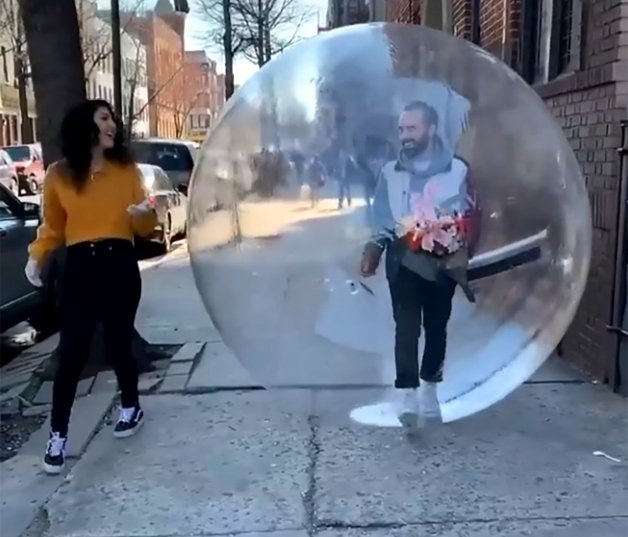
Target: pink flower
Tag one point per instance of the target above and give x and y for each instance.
(423, 210)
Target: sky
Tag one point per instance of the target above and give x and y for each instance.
(242, 68)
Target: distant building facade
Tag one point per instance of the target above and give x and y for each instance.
(198, 85)
(11, 117)
(161, 31)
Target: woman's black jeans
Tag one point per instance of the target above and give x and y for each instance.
(417, 301)
(101, 283)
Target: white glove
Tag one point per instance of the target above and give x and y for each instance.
(140, 209)
(33, 273)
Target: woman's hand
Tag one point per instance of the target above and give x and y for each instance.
(140, 209)
(33, 273)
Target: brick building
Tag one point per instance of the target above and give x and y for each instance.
(346, 12)
(575, 55)
(200, 81)
(161, 31)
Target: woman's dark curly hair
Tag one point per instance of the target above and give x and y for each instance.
(79, 135)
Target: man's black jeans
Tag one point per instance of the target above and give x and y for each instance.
(417, 301)
(101, 283)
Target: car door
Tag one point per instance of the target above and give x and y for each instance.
(16, 233)
(167, 191)
(5, 170)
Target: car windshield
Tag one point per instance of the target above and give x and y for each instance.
(170, 157)
(18, 153)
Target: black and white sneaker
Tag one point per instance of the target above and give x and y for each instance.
(54, 459)
(129, 422)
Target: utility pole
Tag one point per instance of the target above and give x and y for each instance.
(116, 52)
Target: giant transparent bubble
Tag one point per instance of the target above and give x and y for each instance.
(276, 248)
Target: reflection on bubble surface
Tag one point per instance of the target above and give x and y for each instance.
(284, 199)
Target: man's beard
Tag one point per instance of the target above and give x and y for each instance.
(414, 148)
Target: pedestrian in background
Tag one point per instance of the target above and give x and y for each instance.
(94, 203)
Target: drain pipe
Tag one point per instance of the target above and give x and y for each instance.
(619, 369)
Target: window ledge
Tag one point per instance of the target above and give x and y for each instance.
(575, 81)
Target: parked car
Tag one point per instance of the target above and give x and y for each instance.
(176, 157)
(8, 173)
(19, 300)
(170, 204)
(29, 165)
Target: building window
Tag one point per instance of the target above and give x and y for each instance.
(551, 35)
(5, 65)
(565, 25)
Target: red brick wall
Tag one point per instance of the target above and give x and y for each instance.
(405, 11)
(461, 18)
(168, 78)
(494, 16)
(588, 104)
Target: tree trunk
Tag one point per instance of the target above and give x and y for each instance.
(227, 42)
(21, 74)
(52, 32)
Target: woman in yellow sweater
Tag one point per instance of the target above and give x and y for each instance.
(94, 204)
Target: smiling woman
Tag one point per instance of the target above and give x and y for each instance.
(94, 203)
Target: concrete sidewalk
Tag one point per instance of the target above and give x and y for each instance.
(214, 459)
(251, 463)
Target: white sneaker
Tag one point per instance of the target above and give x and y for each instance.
(54, 459)
(408, 407)
(429, 400)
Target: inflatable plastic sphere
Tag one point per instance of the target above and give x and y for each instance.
(384, 206)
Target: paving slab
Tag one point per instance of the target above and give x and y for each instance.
(613, 527)
(211, 464)
(217, 367)
(556, 369)
(87, 415)
(13, 392)
(44, 395)
(148, 383)
(188, 352)
(26, 365)
(171, 311)
(8, 381)
(173, 383)
(24, 490)
(105, 382)
(531, 456)
(180, 368)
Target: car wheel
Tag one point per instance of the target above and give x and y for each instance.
(14, 186)
(166, 235)
(32, 186)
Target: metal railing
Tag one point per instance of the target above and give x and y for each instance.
(619, 323)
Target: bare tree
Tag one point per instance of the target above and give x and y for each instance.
(95, 31)
(220, 34)
(12, 27)
(134, 77)
(268, 27)
(182, 109)
(254, 29)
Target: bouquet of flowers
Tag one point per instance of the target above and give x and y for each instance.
(429, 230)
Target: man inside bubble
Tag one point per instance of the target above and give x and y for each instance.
(424, 215)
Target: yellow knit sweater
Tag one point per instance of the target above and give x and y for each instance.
(98, 212)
